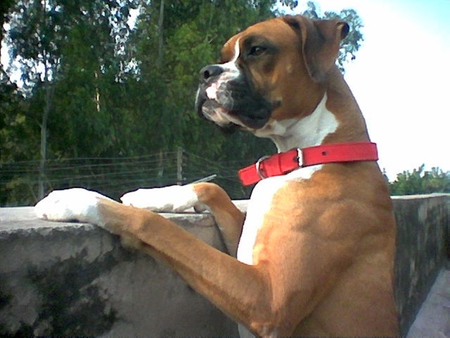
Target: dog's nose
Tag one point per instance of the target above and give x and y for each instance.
(210, 71)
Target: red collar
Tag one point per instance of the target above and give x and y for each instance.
(283, 163)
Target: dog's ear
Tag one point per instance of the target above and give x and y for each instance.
(320, 41)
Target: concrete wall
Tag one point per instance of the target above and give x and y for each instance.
(69, 279)
(72, 279)
(423, 238)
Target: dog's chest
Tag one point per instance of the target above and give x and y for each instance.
(260, 204)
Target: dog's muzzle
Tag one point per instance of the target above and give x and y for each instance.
(228, 98)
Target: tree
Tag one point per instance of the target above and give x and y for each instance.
(34, 41)
(73, 46)
(420, 181)
(5, 6)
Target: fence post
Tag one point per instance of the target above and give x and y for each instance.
(180, 151)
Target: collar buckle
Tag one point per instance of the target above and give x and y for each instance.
(258, 166)
(299, 158)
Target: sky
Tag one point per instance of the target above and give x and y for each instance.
(401, 79)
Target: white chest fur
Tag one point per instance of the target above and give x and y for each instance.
(287, 134)
(259, 205)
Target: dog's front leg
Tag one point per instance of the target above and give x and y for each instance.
(228, 217)
(240, 290)
(179, 198)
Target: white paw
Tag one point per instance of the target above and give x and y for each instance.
(70, 205)
(174, 198)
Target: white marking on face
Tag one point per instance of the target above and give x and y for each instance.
(211, 91)
(306, 132)
(259, 204)
(232, 63)
(219, 92)
(230, 72)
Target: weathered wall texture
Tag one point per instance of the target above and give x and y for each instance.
(423, 235)
(64, 279)
(61, 279)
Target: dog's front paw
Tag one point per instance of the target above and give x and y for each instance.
(173, 198)
(69, 205)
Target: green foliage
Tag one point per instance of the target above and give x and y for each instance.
(12, 119)
(421, 181)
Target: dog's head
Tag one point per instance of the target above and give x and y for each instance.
(273, 70)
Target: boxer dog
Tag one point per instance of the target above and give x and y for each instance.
(315, 250)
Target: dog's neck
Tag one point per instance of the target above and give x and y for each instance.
(306, 132)
(336, 119)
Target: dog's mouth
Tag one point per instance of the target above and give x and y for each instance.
(232, 105)
(214, 103)
(214, 111)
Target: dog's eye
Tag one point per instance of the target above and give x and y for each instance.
(257, 51)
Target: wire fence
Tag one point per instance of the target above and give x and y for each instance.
(19, 181)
